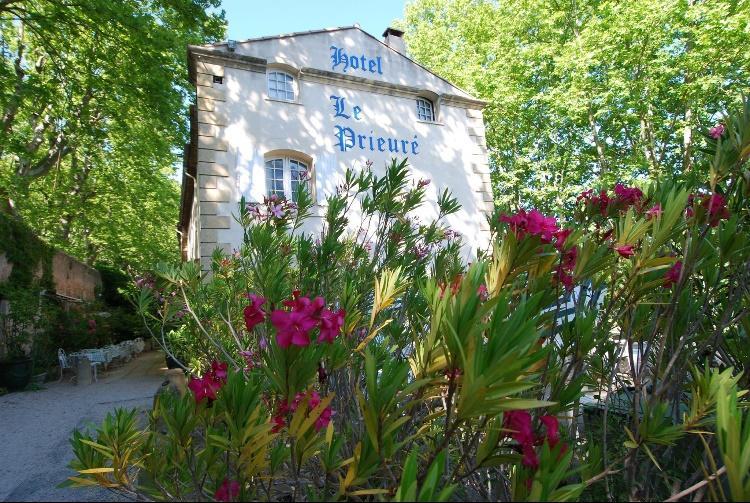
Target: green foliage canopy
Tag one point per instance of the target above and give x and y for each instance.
(588, 88)
(93, 97)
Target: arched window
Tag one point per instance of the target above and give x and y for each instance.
(280, 86)
(284, 176)
(425, 110)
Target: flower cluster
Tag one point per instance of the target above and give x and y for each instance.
(624, 198)
(522, 431)
(534, 223)
(253, 312)
(207, 386)
(716, 207)
(285, 408)
(672, 276)
(293, 326)
(717, 131)
(272, 207)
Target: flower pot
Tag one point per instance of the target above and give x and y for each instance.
(16, 374)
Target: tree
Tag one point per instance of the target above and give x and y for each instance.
(93, 96)
(587, 89)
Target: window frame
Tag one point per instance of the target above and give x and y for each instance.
(275, 72)
(432, 109)
(287, 180)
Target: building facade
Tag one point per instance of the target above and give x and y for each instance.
(273, 110)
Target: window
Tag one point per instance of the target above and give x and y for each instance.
(218, 79)
(284, 175)
(425, 110)
(280, 86)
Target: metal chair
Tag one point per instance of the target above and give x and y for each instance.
(65, 362)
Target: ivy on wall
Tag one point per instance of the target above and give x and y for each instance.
(27, 253)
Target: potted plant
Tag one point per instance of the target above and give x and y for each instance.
(16, 325)
(16, 365)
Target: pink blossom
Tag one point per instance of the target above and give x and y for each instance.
(292, 327)
(654, 212)
(423, 183)
(561, 236)
(218, 372)
(278, 423)
(672, 276)
(533, 222)
(628, 195)
(254, 315)
(330, 324)
(520, 422)
(717, 131)
(203, 388)
(552, 427)
(529, 459)
(276, 210)
(324, 419)
(716, 204)
(625, 250)
(227, 491)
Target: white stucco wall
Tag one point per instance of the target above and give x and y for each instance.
(238, 124)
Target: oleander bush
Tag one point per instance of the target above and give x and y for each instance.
(597, 358)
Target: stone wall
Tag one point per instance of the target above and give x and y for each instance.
(73, 278)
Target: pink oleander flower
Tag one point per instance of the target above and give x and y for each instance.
(625, 251)
(716, 205)
(292, 327)
(218, 372)
(563, 277)
(533, 222)
(717, 131)
(672, 276)
(227, 491)
(560, 237)
(423, 183)
(278, 423)
(628, 195)
(324, 419)
(553, 432)
(203, 388)
(529, 459)
(304, 305)
(276, 210)
(254, 315)
(654, 212)
(519, 421)
(330, 324)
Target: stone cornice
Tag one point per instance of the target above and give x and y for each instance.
(228, 59)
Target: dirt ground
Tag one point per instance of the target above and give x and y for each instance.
(35, 427)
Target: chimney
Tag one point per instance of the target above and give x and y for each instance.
(394, 39)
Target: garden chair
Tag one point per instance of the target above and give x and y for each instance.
(65, 362)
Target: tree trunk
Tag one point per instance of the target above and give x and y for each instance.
(687, 142)
(597, 141)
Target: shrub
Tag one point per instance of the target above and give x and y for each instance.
(598, 359)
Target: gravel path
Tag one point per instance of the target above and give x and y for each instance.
(35, 427)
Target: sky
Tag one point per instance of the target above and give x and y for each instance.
(256, 18)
